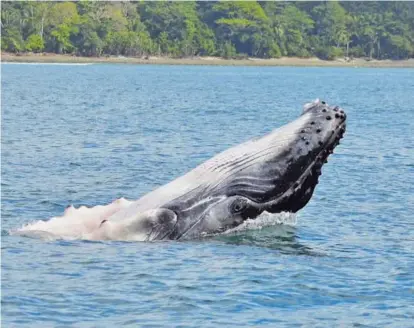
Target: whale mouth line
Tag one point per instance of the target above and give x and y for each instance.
(184, 233)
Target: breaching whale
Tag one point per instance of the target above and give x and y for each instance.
(275, 173)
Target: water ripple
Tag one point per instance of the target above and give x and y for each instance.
(67, 139)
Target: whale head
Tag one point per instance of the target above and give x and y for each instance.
(275, 173)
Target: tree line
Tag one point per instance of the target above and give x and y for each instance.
(374, 29)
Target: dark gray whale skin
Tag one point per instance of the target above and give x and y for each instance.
(277, 172)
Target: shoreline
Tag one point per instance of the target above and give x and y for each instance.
(210, 61)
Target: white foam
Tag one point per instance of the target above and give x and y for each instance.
(76, 223)
(266, 220)
(61, 64)
(84, 224)
(310, 104)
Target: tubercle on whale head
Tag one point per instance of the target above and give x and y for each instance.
(325, 126)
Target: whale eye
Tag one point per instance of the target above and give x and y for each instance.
(238, 205)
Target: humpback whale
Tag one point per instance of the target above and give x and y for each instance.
(275, 173)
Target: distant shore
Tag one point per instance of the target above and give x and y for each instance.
(214, 61)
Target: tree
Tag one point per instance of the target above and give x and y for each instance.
(295, 24)
(12, 38)
(64, 19)
(34, 43)
(177, 28)
(87, 40)
(243, 24)
(374, 29)
(330, 18)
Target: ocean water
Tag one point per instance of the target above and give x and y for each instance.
(89, 134)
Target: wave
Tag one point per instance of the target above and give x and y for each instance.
(60, 64)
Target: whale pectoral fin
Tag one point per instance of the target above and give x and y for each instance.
(158, 224)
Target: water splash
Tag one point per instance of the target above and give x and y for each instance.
(84, 222)
(75, 223)
(266, 220)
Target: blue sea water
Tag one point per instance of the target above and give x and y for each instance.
(86, 135)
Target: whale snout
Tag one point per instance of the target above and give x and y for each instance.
(324, 127)
(320, 130)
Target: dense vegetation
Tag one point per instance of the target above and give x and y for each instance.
(228, 29)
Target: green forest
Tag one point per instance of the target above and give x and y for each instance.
(373, 30)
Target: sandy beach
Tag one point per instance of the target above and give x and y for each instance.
(214, 61)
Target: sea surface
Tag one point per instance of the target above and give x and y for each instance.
(88, 134)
